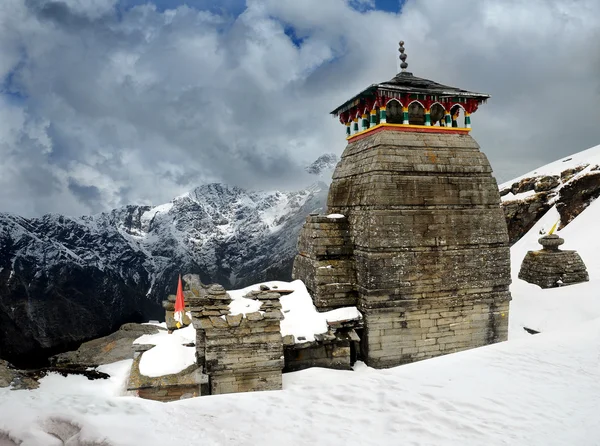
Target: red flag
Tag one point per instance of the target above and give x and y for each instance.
(179, 305)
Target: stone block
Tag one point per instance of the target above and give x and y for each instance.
(234, 321)
(254, 316)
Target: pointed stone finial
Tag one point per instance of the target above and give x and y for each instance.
(403, 56)
(551, 242)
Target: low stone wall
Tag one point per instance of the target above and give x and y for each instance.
(189, 383)
(239, 353)
(338, 348)
(336, 355)
(324, 262)
(170, 393)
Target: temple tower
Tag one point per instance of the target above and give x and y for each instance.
(419, 241)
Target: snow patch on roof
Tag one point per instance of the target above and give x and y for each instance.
(185, 335)
(166, 359)
(300, 317)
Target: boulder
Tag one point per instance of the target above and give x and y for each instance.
(114, 347)
(17, 379)
(524, 185)
(546, 183)
(567, 174)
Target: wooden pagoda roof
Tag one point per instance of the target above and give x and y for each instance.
(406, 83)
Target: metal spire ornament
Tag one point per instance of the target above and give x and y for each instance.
(403, 56)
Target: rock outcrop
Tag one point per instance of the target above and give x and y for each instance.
(576, 195)
(521, 215)
(525, 201)
(117, 346)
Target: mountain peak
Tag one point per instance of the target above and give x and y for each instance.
(322, 164)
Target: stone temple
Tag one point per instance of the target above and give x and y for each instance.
(552, 267)
(415, 235)
(410, 262)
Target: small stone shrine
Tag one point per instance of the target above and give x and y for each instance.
(551, 267)
(416, 237)
(245, 351)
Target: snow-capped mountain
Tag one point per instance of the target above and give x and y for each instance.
(323, 164)
(64, 280)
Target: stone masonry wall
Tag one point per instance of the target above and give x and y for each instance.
(325, 263)
(429, 243)
(424, 330)
(549, 269)
(239, 353)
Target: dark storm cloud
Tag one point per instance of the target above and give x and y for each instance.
(90, 195)
(121, 104)
(59, 13)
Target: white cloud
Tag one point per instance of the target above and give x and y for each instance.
(144, 106)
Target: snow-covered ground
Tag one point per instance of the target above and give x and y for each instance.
(544, 390)
(531, 390)
(590, 156)
(557, 308)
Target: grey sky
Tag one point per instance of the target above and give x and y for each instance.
(102, 106)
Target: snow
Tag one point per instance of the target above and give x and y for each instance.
(167, 359)
(183, 336)
(557, 308)
(543, 390)
(162, 209)
(334, 216)
(156, 323)
(301, 318)
(170, 355)
(342, 314)
(590, 156)
(243, 306)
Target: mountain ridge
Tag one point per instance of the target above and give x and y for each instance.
(64, 280)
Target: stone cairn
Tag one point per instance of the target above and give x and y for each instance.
(551, 267)
(239, 353)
